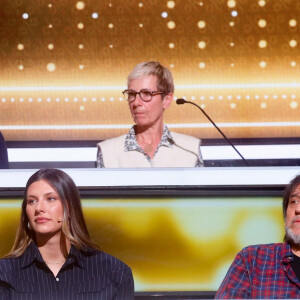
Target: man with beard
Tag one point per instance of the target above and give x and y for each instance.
(272, 270)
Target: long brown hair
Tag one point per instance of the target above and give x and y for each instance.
(73, 227)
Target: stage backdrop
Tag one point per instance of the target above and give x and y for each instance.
(171, 243)
(64, 65)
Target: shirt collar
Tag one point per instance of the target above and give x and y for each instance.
(286, 253)
(30, 255)
(33, 254)
(131, 143)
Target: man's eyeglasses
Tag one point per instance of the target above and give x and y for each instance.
(145, 95)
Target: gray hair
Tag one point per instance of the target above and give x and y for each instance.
(165, 82)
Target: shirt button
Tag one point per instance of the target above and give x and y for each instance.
(57, 279)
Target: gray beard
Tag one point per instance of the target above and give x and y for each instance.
(291, 237)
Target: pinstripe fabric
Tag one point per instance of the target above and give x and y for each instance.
(85, 275)
(261, 272)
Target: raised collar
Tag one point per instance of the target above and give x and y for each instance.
(286, 253)
(131, 143)
(32, 254)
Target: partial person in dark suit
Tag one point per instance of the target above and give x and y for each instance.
(3, 153)
(53, 256)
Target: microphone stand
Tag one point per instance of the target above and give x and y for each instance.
(182, 101)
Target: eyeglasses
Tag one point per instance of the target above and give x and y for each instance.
(145, 95)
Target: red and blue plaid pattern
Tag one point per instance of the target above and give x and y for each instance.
(261, 272)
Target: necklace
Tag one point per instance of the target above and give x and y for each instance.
(54, 263)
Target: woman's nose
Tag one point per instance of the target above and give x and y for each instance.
(40, 206)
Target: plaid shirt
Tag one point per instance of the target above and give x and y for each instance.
(261, 271)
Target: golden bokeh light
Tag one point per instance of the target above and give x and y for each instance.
(80, 5)
(171, 24)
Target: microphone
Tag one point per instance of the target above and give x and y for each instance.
(182, 101)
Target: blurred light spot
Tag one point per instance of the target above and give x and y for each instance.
(75, 99)
(231, 3)
(238, 97)
(80, 46)
(201, 24)
(293, 96)
(141, 4)
(171, 45)
(293, 43)
(292, 23)
(164, 14)
(293, 63)
(202, 106)
(201, 3)
(261, 3)
(262, 23)
(201, 44)
(50, 46)
(232, 65)
(294, 105)
(231, 44)
(171, 66)
(171, 4)
(21, 67)
(22, 99)
(49, 5)
(51, 67)
(263, 105)
(266, 97)
(232, 105)
(202, 65)
(234, 13)
(81, 67)
(141, 25)
(262, 44)
(275, 96)
(220, 97)
(95, 15)
(171, 25)
(20, 47)
(25, 16)
(231, 23)
(84, 99)
(110, 25)
(80, 26)
(202, 98)
(262, 64)
(111, 46)
(30, 99)
(80, 5)
(102, 99)
(57, 99)
(283, 96)
(81, 107)
(50, 26)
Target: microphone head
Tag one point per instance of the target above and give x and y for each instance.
(180, 101)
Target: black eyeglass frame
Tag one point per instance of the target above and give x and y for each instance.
(153, 93)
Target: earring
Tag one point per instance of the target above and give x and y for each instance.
(28, 225)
